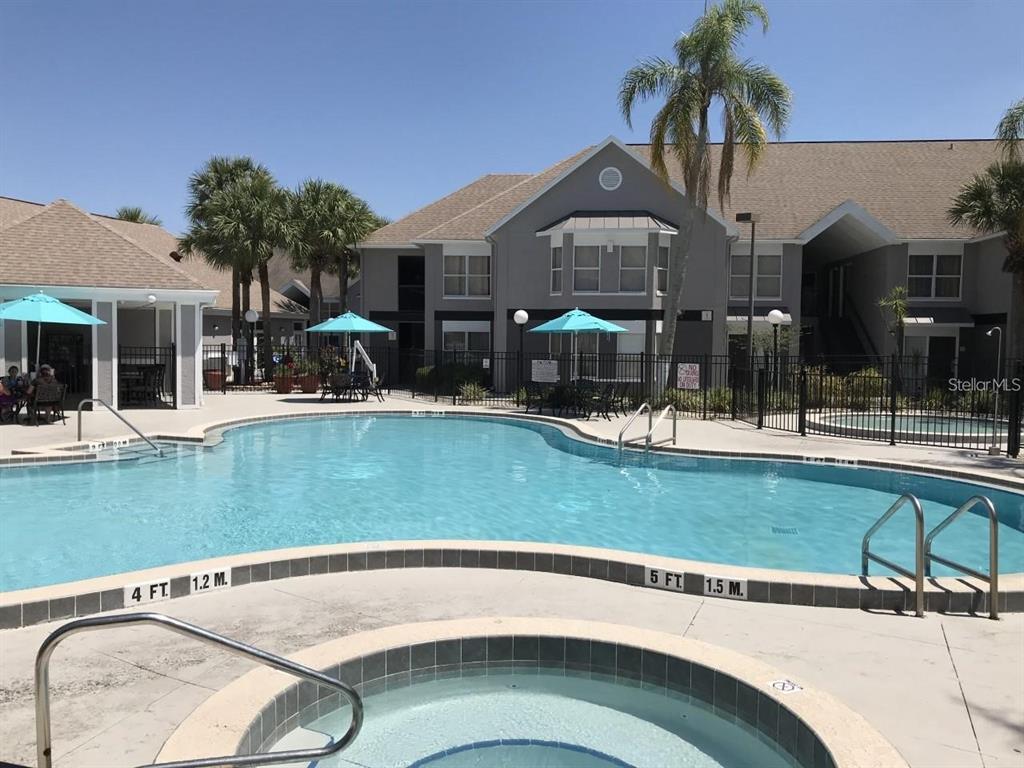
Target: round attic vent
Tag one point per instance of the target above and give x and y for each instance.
(610, 179)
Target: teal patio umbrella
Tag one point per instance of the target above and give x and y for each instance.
(348, 323)
(577, 321)
(40, 308)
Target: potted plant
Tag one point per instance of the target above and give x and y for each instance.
(214, 379)
(284, 376)
(307, 376)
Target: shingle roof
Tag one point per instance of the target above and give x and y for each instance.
(906, 185)
(417, 223)
(155, 240)
(60, 244)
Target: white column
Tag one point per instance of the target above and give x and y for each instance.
(176, 338)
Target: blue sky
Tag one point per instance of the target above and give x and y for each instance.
(115, 103)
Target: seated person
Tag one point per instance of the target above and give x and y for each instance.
(12, 384)
(45, 377)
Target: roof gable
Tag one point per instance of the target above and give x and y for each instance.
(60, 244)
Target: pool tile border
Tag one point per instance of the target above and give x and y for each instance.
(870, 593)
(811, 726)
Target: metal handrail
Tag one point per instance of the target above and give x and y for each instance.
(43, 736)
(127, 423)
(992, 577)
(650, 433)
(634, 417)
(918, 573)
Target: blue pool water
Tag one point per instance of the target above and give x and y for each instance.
(537, 719)
(364, 478)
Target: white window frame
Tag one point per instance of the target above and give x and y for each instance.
(560, 269)
(575, 248)
(465, 275)
(466, 327)
(755, 262)
(933, 276)
(658, 269)
(643, 269)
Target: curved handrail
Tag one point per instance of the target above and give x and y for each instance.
(49, 645)
(918, 573)
(650, 433)
(127, 423)
(634, 417)
(992, 577)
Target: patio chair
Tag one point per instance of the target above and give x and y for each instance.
(621, 402)
(361, 384)
(48, 397)
(536, 396)
(339, 384)
(601, 402)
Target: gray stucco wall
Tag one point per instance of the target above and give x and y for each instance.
(187, 350)
(105, 384)
(522, 260)
(869, 278)
(986, 287)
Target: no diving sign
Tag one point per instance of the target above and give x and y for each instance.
(785, 686)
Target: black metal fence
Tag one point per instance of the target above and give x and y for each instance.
(892, 400)
(146, 377)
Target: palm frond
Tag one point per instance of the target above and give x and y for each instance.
(1010, 132)
(136, 214)
(651, 77)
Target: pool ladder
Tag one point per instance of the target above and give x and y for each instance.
(652, 423)
(923, 555)
(42, 689)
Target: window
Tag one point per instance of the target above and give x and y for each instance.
(767, 278)
(466, 341)
(556, 269)
(632, 269)
(934, 276)
(662, 269)
(467, 276)
(586, 269)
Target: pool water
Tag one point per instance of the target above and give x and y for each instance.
(346, 479)
(531, 720)
(942, 425)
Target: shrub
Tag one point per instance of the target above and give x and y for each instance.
(690, 400)
(472, 392)
(720, 400)
(446, 379)
(865, 389)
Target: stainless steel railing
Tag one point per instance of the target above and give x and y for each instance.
(645, 407)
(918, 573)
(122, 418)
(43, 735)
(650, 433)
(992, 577)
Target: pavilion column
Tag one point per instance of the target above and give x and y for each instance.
(104, 353)
(187, 352)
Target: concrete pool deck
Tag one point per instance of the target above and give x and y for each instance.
(946, 691)
(695, 434)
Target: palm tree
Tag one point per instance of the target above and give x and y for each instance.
(360, 222)
(218, 173)
(319, 212)
(706, 71)
(993, 201)
(136, 214)
(1010, 132)
(249, 218)
(895, 303)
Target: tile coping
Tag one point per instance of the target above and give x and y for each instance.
(37, 605)
(886, 592)
(221, 723)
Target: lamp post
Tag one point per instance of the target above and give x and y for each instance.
(521, 317)
(775, 317)
(249, 365)
(751, 219)
(993, 450)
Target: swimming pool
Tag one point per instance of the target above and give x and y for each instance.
(514, 718)
(977, 429)
(360, 478)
